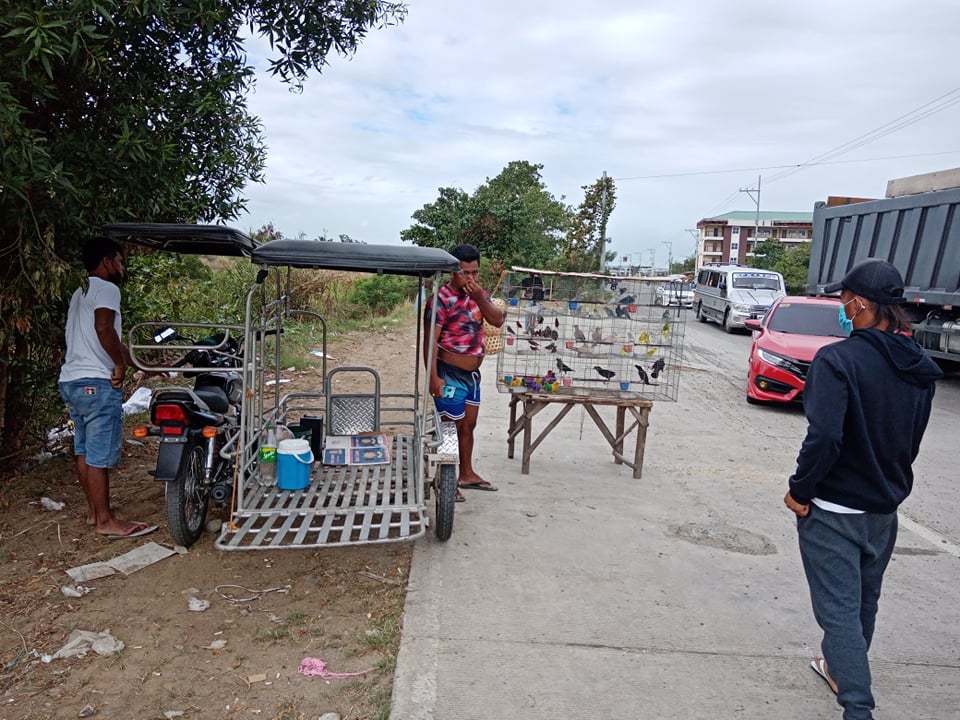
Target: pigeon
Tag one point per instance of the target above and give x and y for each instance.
(552, 347)
(578, 334)
(563, 367)
(657, 368)
(643, 375)
(604, 373)
(596, 335)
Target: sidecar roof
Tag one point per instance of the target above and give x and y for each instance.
(355, 257)
(188, 239)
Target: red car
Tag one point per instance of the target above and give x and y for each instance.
(784, 343)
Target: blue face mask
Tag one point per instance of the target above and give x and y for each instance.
(846, 324)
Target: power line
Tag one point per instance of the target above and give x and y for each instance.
(780, 167)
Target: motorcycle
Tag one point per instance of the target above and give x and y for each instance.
(199, 431)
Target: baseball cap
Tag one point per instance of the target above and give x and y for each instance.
(874, 279)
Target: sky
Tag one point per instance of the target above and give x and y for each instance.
(683, 103)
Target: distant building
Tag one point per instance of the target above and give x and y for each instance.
(731, 237)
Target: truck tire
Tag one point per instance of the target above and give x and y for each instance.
(727, 327)
(700, 316)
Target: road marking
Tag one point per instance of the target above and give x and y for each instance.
(939, 541)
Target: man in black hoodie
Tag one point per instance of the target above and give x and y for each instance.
(867, 400)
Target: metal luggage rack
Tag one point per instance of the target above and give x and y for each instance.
(343, 505)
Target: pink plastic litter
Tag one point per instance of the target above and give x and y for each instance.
(315, 667)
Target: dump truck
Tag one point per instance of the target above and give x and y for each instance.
(916, 228)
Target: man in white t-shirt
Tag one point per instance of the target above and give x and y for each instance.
(91, 383)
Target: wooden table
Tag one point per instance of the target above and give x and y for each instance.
(532, 403)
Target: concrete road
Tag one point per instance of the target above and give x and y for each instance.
(577, 591)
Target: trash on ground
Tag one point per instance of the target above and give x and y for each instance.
(127, 563)
(87, 711)
(52, 505)
(81, 642)
(216, 645)
(259, 677)
(274, 382)
(319, 353)
(196, 604)
(171, 714)
(315, 667)
(138, 402)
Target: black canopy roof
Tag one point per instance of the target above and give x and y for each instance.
(357, 257)
(189, 239)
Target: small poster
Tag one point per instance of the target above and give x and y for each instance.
(356, 450)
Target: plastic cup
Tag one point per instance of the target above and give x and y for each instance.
(624, 385)
(567, 382)
(569, 345)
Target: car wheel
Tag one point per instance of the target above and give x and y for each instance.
(727, 327)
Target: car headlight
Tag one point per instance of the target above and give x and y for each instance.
(780, 361)
(741, 307)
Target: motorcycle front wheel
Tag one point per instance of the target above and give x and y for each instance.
(187, 498)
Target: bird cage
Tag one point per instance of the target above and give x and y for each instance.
(591, 335)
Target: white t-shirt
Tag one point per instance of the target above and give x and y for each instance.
(86, 357)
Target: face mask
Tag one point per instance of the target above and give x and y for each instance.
(846, 324)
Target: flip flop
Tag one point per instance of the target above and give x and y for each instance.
(485, 486)
(136, 530)
(820, 668)
(459, 497)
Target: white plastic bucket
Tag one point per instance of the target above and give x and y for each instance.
(293, 464)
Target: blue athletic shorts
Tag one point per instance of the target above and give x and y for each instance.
(465, 390)
(96, 409)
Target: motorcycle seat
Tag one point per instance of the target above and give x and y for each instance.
(214, 397)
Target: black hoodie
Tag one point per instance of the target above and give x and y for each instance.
(867, 400)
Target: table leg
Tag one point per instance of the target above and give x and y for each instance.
(643, 422)
(618, 447)
(511, 429)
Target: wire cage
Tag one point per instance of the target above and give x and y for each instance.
(591, 335)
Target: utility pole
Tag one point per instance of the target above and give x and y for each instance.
(697, 257)
(603, 221)
(669, 244)
(756, 199)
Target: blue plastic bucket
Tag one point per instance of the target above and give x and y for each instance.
(293, 464)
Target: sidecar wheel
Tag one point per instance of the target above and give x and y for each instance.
(446, 493)
(187, 498)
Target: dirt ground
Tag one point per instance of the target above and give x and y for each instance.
(268, 610)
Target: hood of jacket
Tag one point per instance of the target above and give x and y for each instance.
(905, 356)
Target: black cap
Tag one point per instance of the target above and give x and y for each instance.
(874, 279)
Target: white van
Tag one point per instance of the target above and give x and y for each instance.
(730, 294)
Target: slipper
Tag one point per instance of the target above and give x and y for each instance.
(820, 668)
(485, 486)
(135, 530)
(459, 497)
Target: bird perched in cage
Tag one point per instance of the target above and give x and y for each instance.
(651, 351)
(578, 334)
(644, 338)
(622, 312)
(643, 374)
(552, 347)
(609, 312)
(666, 315)
(533, 345)
(519, 324)
(596, 334)
(554, 334)
(658, 366)
(604, 373)
(539, 319)
(563, 367)
(666, 328)
(556, 322)
(511, 330)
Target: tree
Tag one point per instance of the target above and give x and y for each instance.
(766, 254)
(795, 268)
(132, 110)
(585, 248)
(510, 218)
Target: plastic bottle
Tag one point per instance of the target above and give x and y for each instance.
(268, 457)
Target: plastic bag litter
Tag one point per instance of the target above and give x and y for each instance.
(52, 505)
(138, 402)
(81, 642)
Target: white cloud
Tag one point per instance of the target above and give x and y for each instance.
(632, 88)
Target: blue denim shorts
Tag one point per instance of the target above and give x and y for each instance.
(96, 409)
(461, 388)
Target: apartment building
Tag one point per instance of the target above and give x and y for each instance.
(730, 238)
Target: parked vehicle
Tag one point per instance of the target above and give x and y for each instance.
(198, 430)
(675, 292)
(919, 234)
(784, 344)
(730, 294)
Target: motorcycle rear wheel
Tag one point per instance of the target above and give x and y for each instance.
(187, 498)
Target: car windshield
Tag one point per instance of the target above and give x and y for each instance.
(752, 281)
(805, 319)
